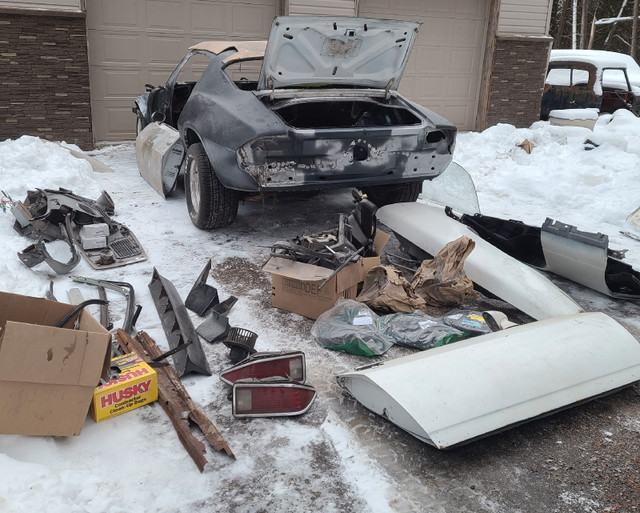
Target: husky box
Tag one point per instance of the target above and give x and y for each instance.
(134, 386)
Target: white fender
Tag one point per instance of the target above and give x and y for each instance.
(469, 389)
(429, 228)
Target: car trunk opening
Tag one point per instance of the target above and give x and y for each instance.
(343, 114)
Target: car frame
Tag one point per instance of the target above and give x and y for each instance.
(324, 113)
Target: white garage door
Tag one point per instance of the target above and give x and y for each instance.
(135, 42)
(444, 70)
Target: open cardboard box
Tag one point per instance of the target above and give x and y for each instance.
(48, 374)
(296, 285)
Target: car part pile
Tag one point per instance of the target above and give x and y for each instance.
(47, 215)
(335, 249)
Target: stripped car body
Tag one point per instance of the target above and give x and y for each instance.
(323, 113)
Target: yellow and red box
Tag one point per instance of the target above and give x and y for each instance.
(135, 386)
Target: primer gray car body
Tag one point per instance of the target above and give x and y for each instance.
(323, 113)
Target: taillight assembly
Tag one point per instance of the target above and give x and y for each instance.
(270, 385)
(267, 365)
(273, 397)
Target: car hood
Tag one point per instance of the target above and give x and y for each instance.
(336, 52)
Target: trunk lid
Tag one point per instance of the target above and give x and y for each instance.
(337, 52)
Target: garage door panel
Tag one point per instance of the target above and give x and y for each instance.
(463, 60)
(209, 18)
(165, 15)
(120, 48)
(134, 42)
(116, 117)
(116, 83)
(443, 72)
(251, 21)
(451, 33)
(429, 59)
(115, 14)
(162, 50)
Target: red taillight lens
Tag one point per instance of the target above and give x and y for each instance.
(271, 399)
(267, 365)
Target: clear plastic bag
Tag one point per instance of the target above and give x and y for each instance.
(418, 330)
(352, 327)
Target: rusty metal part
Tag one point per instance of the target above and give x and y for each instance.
(176, 401)
(178, 327)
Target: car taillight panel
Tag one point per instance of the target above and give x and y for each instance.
(255, 398)
(290, 366)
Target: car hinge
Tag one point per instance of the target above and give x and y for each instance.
(387, 90)
(270, 86)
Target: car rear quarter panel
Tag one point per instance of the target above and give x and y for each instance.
(224, 118)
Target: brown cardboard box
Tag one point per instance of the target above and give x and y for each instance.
(47, 374)
(295, 285)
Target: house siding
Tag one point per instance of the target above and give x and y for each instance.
(517, 79)
(327, 7)
(44, 86)
(57, 5)
(524, 17)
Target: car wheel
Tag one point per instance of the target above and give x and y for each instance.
(210, 204)
(386, 194)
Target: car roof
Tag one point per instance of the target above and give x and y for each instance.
(244, 50)
(599, 58)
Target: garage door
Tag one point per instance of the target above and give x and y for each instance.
(135, 42)
(445, 66)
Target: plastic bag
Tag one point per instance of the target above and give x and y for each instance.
(467, 320)
(352, 327)
(418, 330)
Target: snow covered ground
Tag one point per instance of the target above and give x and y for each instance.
(321, 461)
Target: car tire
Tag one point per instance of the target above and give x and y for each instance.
(140, 123)
(210, 204)
(386, 194)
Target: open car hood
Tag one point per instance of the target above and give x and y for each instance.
(336, 51)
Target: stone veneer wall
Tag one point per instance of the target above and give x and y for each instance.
(44, 76)
(517, 79)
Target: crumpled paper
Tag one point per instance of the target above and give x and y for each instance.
(440, 281)
(386, 290)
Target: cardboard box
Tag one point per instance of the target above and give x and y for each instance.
(295, 285)
(47, 374)
(135, 386)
